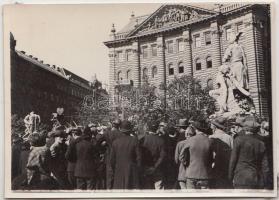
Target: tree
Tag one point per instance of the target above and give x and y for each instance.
(187, 99)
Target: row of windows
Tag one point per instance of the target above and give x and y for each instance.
(124, 56)
(207, 39)
(128, 75)
(198, 63)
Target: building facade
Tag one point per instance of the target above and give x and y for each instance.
(39, 87)
(182, 39)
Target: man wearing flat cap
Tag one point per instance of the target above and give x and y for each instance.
(125, 159)
(200, 150)
(222, 146)
(248, 164)
(106, 139)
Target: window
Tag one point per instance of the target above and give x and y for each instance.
(228, 34)
(145, 73)
(180, 45)
(119, 76)
(170, 46)
(171, 69)
(129, 55)
(239, 27)
(208, 62)
(197, 41)
(119, 56)
(198, 64)
(128, 75)
(144, 52)
(210, 84)
(181, 68)
(207, 38)
(154, 50)
(154, 71)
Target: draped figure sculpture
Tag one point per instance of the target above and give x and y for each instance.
(232, 77)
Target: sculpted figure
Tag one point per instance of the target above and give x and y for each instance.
(31, 122)
(238, 64)
(221, 94)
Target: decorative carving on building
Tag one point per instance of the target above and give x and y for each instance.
(170, 16)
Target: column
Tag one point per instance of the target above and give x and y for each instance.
(215, 45)
(162, 76)
(254, 60)
(187, 59)
(136, 64)
(112, 73)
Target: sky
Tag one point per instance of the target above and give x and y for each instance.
(71, 36)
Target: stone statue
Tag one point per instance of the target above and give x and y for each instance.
(31, 122)
(232, 79)
(238, 64)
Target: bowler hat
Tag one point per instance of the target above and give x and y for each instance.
(219, 123)
(182, 123)
(126, 126)
(152, 126)
(200, 125)
(238, 121)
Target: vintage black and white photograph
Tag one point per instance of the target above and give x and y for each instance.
(167, 99)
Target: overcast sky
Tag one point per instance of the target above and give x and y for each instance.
(71, 36)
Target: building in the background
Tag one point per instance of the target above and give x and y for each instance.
(42, 88)
(183, 39)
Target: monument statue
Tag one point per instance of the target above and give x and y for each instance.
(232, 80)
(31, 122)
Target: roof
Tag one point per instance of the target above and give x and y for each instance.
(59, 71)
(134, 21)
(137, 23)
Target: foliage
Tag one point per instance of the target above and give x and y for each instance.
(187, 99)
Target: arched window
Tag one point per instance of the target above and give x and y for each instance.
(210, 84)
(119, 76)
(145, 73)
(171, 69)
(209, 62)
(198, 64)
(154, 71)
(180, 68)
(128, 75)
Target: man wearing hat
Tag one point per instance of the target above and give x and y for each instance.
(198, 173)
(125, 159)
(154, 155)
(181, 126)
(58, 160)
(74, 134)
(248, 164)
(237, 129)
(222, 146)
(105, 140)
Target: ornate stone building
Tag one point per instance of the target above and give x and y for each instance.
(42, 88)
(182, 39)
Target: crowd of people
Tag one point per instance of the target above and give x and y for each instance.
(194, 154)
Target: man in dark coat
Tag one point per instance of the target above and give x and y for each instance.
(154, 154)
(248, 165)
(58, 160)
(222, 146)
(125, 159)
(198, 172)
(74, 134)
(85, 154)
(106, 139)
